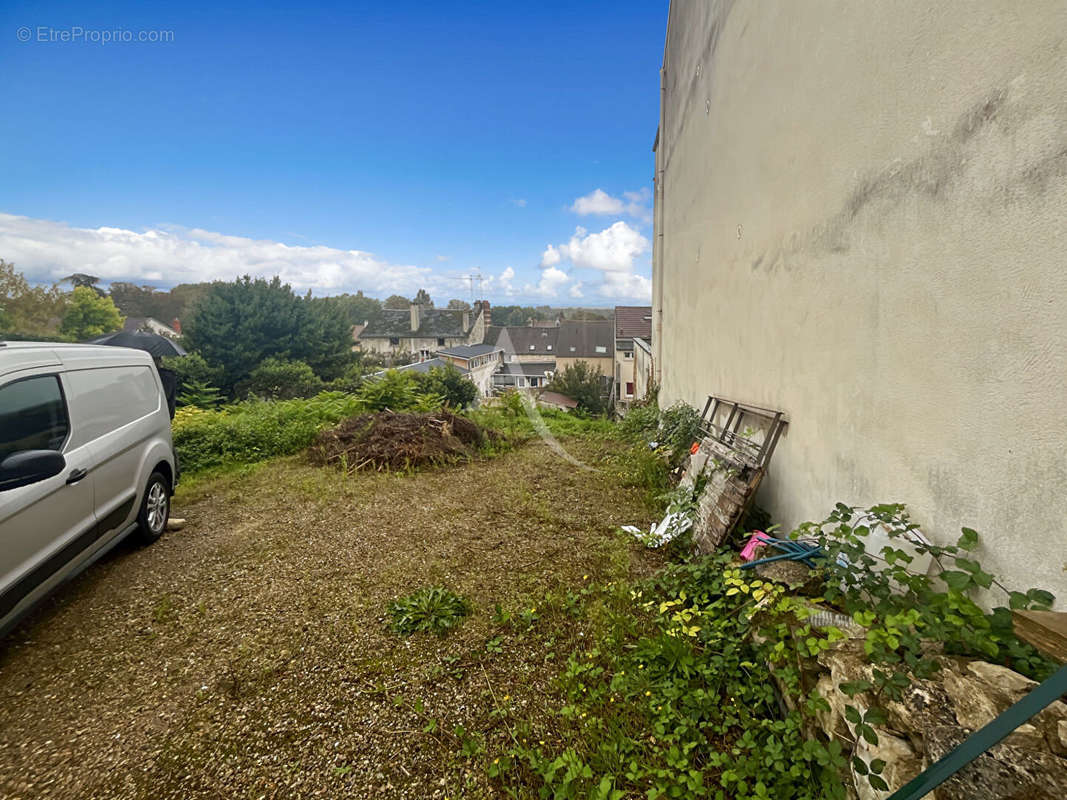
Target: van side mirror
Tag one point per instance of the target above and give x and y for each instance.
(29, 466)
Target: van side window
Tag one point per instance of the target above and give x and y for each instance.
(33, 416)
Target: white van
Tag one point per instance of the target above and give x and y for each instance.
(85, 459)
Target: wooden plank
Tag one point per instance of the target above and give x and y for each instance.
(1045, 630)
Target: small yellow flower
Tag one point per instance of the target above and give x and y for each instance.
(648, 694)
(585, 577)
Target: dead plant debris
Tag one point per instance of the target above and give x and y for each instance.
(394, 441)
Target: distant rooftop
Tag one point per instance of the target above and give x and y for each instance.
(469, 350)
(633, 321)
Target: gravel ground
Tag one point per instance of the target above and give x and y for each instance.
(247, 655)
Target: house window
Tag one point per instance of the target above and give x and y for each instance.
(424, 355)
(601, 348)
(549, 347)
(629, 389)
(394, 340)
(440, 341)
(533, 347)
(573, 348)
(533, 382)
(628, 355)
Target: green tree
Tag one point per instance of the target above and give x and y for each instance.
(89, 315)
(240, 324)
(459, 305)
(422, 298)
(193, 367)
(29, 312)
(451, 384)
(357, 308)
(396, 301)
(278, 379)
(81, 280)
(582, 383)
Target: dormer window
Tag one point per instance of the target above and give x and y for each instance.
(601, 349)
(549, 347)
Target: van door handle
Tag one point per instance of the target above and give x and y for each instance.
(77, 475)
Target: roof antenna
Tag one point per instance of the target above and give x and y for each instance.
(475, 276)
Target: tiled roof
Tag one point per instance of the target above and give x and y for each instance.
(633, 321)
(581, 339)
(439, 322)
(469, 350)
(536, 368)
(425, 366)
(521, 339)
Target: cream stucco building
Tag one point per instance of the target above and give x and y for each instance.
(861, 219)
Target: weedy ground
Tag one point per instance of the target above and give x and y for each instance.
(250, 655)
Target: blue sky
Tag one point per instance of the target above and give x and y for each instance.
(380, 146)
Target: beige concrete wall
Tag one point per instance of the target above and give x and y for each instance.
(863, 210)
(642, 369)
(605, 366)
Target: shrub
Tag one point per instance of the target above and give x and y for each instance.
(679, 427)
(582, 383)
(198, 393)
(451, 384)
(194, 374)
(255, 429)
(280, 379)
(430, 610)
(393, 390)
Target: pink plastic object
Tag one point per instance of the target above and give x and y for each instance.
(758, 541)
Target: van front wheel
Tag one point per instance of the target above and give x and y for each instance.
(155, 509)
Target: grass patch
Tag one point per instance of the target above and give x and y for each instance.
(430, 610)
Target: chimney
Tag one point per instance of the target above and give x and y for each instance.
(416, 314)
(176, 325)
(483, 305)
(467, 319)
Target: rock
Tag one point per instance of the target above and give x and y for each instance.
(175, 524)
(1052, 721)
(1005, 772)
(832, 722)
(1007, 680)
(976, 703)
(902, 764)
(922, 705)
(1027, 736)
(796, 577)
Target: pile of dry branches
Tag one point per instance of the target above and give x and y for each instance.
(391, 441)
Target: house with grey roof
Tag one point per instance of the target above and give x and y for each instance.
(522, 343)
(421, 330)
(478, 361)
(633, 324)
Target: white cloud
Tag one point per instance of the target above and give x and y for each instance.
(520, 202)
(550, 257)
(552, 280)
(612, 249)
(597, 202)
(45, 251)
(626, 286)
(502, 282)
(600, 203)
(613, 252)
